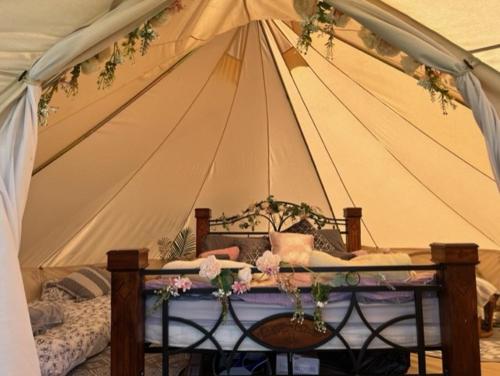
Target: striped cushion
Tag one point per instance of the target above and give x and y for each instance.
(86, 283)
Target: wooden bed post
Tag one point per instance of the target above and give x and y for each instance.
(458, 307)
(353, 227)
(202, 227)
(127, 311)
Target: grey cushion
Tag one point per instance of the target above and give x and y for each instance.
(251, 248)
(86, 283)
(45, 315)
(329, 241)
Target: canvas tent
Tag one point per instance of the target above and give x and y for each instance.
(224, 111)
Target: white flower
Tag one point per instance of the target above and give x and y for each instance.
(409, 64)
(90, 66)
(321, 304)
(264, 205)
(245, 275)
(268, 263)
(209, 268)
(281, 208)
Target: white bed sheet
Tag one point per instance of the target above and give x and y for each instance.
(205, 313)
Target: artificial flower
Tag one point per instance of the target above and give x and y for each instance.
(210, 268)
(268, 263)
(245, 275)
(239, 287)
(182, 283)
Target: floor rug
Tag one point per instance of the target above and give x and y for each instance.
(99, 365)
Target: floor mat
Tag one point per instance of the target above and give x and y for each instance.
(99, 365)
(490, 348)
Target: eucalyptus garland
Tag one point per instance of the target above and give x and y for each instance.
(433, 83)
(323, 18)
(138, 40)
(275, 212)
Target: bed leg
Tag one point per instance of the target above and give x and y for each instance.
(127, 311)
(353, 227)
(458, 311)
(202, 227)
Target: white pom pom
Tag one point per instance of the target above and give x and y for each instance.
(383, 48)
(341, 20)
(409, 64)
(369, 38)
(305, 8)
(90, 66)
(104, 55)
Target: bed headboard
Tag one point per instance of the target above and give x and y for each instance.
(349, 226)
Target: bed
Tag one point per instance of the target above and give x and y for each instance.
(439, 314)
(85, 333)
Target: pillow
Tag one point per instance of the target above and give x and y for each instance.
(251, 248)
(293, 248)
(44, 315)
(86, 283)
(327, 240)
(318, 258)
(232, 252)
(52, 293)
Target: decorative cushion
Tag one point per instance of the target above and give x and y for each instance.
(232, 252)
(329, 240)
(52, 293)
(45, 315)
(293, 248)
(87, 283)
(251, 248)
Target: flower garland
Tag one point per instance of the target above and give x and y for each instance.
(227, 283)
(171, 289)
(322, 17)
(277, 213)
(139, 39)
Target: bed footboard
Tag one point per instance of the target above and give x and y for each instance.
(457, 303)
(458, 308)
(127, 311)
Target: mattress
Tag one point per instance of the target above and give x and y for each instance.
(205, 313)
(84, 333)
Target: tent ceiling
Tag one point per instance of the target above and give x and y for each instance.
(472, 25)
(221, 130)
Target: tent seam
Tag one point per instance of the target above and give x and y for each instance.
(59, 249)
(298, 125)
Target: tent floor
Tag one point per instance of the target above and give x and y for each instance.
(99, 365)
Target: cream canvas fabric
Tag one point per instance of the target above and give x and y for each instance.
(224, 111)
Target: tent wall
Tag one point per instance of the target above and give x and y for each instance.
(221, 130)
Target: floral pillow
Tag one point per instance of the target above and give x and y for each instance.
(52, 293)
